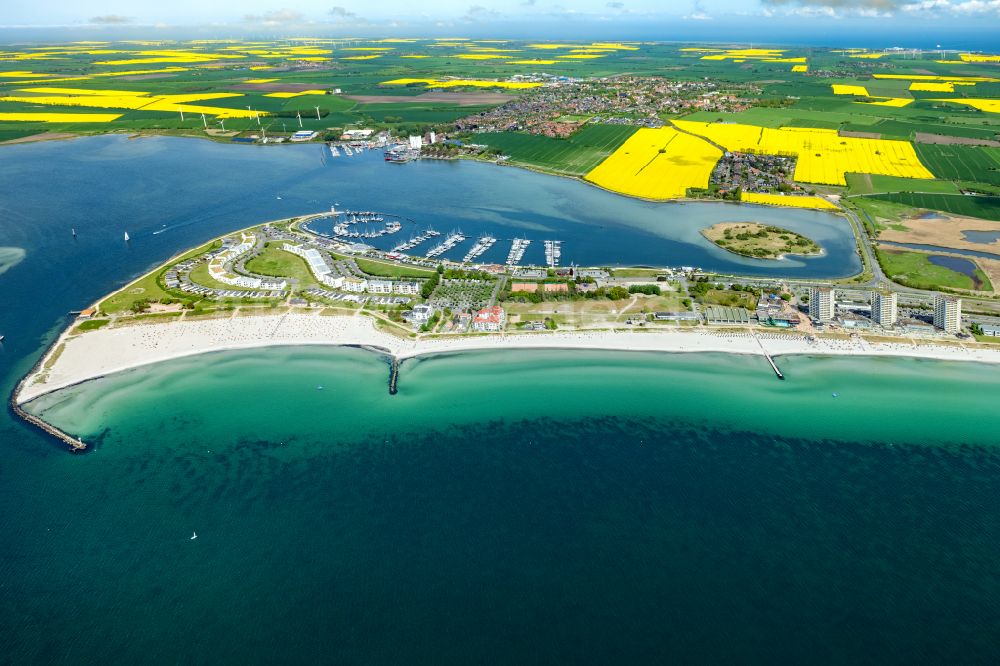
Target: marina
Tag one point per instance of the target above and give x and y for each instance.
(482, 245)
(453, 239)
(416, 240)
(553, 250)
(344, 228)
(517, 249)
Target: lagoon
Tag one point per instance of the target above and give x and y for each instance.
(170, 193)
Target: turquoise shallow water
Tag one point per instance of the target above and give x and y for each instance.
(538, 506)
(519, 508)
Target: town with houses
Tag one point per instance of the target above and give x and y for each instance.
(443, 296)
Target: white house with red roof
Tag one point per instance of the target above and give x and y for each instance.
(490, 319)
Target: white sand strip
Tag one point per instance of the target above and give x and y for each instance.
(109, 350)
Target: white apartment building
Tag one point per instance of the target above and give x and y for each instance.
(406, 287)
(380, 286)
(354, 284)
(822, 304)
(885, 308)
(217, 267)
(948, 313)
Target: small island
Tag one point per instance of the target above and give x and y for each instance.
(760, 241)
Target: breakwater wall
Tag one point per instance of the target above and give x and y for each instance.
(75, 444)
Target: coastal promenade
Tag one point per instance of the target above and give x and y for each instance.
(78, 358)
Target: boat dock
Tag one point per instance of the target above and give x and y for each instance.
(416, 240)
(517, 251)
(453, 239)
(553, 250)
(484, 243)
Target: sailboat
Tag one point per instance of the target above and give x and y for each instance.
(126, 236)
(194, 535)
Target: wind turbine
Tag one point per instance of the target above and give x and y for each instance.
(317, 114)
(182, 114)
(223, 124)
(203, 121)
(299, 116)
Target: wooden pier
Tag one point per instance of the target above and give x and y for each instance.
(770, 360)
(774, 366)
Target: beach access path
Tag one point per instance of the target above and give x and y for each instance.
(75, 358)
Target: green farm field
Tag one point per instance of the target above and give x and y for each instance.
(987, 208)
(232, 89)
(576, 155)
(969, 163)
(864, 183)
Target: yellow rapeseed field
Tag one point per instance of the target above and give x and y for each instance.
(170, 56)
(480, 56)
(841, 89)
(972, 57)
(932, 86)
(453, 83)
(818, 203)
(618, 46)
(286, 95)
(889, 101)
(657, 164)
(59, 117)
(822, 155)
(531, 62)
(800, 68)
(22, 75)
(987, 105)
(362, 57)
(118, 99)
(928, 77)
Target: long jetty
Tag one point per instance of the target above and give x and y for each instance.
(393, 375)
(774, 366)
(75, 444)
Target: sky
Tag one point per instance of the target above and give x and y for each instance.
(919, 23)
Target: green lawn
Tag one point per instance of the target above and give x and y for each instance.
(91, 325)
(382, 269)
(149, 287)
(914, 269)
(728, 298)
(275, 262)
(199, 275)
(575, 156)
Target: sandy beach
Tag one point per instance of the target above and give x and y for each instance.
(104, 351)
